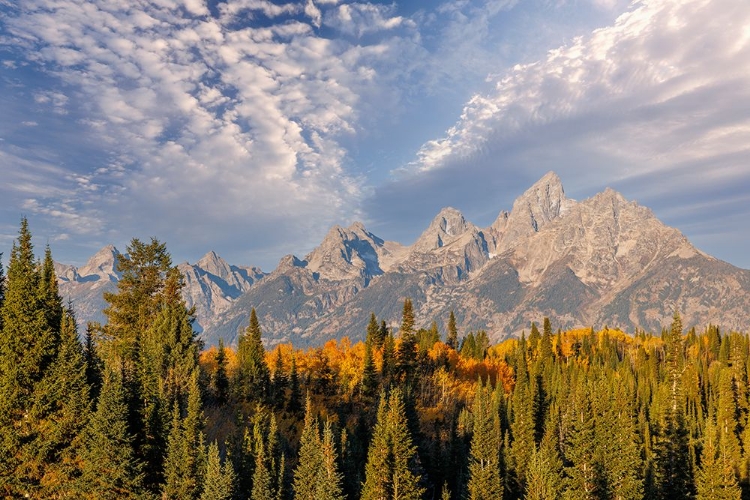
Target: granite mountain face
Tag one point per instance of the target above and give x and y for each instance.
(601, 261)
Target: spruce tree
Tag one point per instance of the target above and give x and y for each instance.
(62, 400)
(545, 467)
(369, 373)
(715, 479)
(252, 380)
(262, 478)
(673, 466)
(280, 382)
(392, 469)
(452, 337)
(329, 478)
(110, 469)
(405, 468)
(294, 405)
(310, 460)
(374, 333)
(406, 355)
(219, 478)
(219, 379)
(484, 459)
(378, 478)
(28, 348)
(583, 473)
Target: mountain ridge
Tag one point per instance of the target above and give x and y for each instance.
(580, 263)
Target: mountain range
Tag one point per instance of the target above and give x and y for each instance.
(601, 261)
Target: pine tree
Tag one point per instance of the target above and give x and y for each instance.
(294, 405)
(673, 466)
(219, 478)
(280, 382)
(252, 380)
(62, 398)
(715, 479)
(378, 468)
(545, 467)
(583, 475)
(219, 379)
(392, 469)
(374, 334)
(310, 460)
(328, 484)
(484, 461)
(405, 476)
(452, 338)
(28, 348)
(262, 478)
(545, 344)
(369, 373)
(110, 469)
(406, 355)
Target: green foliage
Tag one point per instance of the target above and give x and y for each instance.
(219, 477)
(219, 378)
(484, 462)
(451, 339)
(392, 469)
(252, 381)
(110, 469)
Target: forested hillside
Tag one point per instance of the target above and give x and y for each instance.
(140, 410)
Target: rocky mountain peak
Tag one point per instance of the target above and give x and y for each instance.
(346, 253)
(101, 266)
(542, 203)
(447, 226)
(213, 264)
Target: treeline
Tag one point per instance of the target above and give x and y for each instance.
(139, 409)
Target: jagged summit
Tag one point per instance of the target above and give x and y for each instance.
(101, 266)
(346, 254)
(603, 260)
(446, 227)
(543, 202)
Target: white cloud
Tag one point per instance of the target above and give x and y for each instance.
(658, 73)
(359, 19)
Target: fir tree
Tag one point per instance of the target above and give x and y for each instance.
(392, 469)
(280, 382)
(262, 478)
(406, 355)
(452, 337)
(110, 469)
(329, 478)
(219, 478)
(219, 379)
(310, 460)
(294, 405)
(28, 348)
(484, 462)
(374, 334)
(715, 479)
(252, 380)
(673, 471)
(369, 373)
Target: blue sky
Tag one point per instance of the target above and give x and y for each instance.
(250, 127)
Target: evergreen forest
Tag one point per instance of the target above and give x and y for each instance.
(139, 408)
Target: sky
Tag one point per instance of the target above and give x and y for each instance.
(250, 127)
